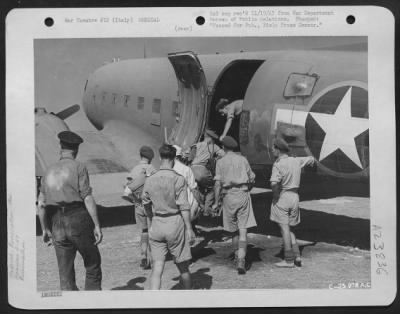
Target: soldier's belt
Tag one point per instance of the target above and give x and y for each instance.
(239, 186)
(166, 214)
(67, 207)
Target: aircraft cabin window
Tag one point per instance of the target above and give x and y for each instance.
(175, 109)
(300, 85)
(114, 98)
(103, 96)
(126, 100)
(140, 103)
(156, 112)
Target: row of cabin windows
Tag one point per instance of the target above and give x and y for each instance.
(156, 107)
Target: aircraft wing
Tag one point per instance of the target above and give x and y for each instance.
(106, 169)
(109, 155)
(99, 154)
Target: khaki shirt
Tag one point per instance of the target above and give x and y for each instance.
(167, 191)
(233, 170)
(143, 169)
(204, 151)
(287, 171)
(65, 182)
(138, 174)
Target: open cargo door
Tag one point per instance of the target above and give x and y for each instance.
(193, 99)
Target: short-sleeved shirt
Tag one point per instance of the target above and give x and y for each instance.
(139, 173)
(234, 108)
(233, 169)
(65, 182)
(287, 171)
(204, 151)
(187, 173)
(167, 191)
(143, 169)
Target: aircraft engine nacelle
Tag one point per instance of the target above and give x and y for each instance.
(47, 147)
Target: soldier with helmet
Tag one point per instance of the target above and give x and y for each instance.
(68, 215)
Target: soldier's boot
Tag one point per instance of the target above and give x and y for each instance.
(296, 253)
(286, 264)
(241, 266)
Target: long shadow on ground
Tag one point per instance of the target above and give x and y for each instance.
(200, 280)
(132, 284)
(315, 226)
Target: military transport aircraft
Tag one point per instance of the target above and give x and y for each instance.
(316, 99)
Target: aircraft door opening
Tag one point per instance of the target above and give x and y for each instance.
(231, 84)
(193, 99)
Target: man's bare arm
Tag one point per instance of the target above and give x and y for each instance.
(46, 233)
(91, 207)
(275, 192)
(188, 226)
(228, 124)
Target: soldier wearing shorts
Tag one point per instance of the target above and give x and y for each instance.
(167, 207)
(135, 183)
(233, 181)
(285, 182)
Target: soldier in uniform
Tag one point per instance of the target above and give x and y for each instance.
(166, 204)
(233, 181)
(135, 183)
(285, 182)
(203, 167)
(66, 201)
(231, 111)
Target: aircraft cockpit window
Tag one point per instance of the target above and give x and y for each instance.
(140, 103)
(300, 85)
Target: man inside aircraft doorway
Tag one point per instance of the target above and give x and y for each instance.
(231, 111)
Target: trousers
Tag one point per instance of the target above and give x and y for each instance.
(72, 231)
(204, 179)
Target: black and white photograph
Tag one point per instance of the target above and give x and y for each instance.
(208, 163)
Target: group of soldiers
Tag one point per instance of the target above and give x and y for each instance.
(207, 180)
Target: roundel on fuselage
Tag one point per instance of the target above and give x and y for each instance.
(337, 128)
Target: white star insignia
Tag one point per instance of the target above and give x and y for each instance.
(341, 129)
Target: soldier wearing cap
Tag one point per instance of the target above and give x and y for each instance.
(166, 204)
(204, 155)
(231, 110)
(285, 182)
(233, 181)
(66, 201)
(134, 184)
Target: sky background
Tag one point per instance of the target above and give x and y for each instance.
(62, 66)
